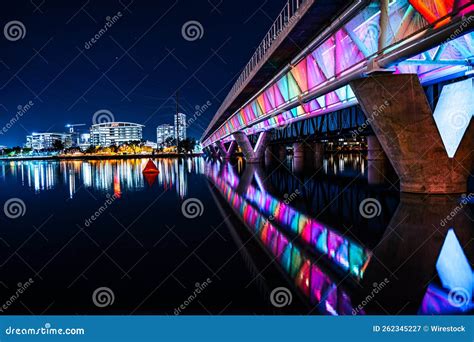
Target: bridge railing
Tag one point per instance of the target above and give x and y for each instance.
(285, 18)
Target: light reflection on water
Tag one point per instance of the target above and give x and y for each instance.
(108, 176)
(277, 225)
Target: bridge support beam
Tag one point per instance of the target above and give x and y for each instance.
(298, 157)
(307, 154)
(255, 154)
(226, 153)
(403, 122)
(377, 161)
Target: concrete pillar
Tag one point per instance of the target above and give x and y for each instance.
(226, 153)
(281, 152)
(298, 157)
(252, 154)
(376, 160)
(307, 155)
(403, 122)
(318, 154)
(270, 155)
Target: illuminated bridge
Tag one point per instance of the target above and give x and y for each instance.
(396, 73)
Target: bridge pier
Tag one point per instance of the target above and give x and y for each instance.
(307, 154)
(398, 111)
(377, 161)
(252, 155)
(226, 153)
(298, 157)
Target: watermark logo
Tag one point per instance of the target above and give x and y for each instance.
(199, 110)
(459, 120)
(199, 288)
(456, 210)
(370, 208)
(459, 297)
(21, 288)
(288, 198)
(110, 21)
(103, 116)
(192, 208)
(376, 111)
(376, 289)
(14, 208)
(21, 110)
(192, 30)
(465, 22)
(102, 297)
(281, 297)
(14, 30)
(108, 202)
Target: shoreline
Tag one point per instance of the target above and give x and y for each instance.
(99, 157)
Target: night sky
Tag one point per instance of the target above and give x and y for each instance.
(132, 70)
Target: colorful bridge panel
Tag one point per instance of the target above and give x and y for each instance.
(358, 40)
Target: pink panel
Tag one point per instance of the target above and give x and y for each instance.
(279, 100)
(332, 98)
(314, 73)
(347, 53)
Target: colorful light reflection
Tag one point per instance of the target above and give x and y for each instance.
(254, 207)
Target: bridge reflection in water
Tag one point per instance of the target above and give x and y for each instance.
(329, 267)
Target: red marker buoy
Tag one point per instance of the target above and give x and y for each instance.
(150, 168)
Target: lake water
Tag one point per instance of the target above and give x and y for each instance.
(208, 237)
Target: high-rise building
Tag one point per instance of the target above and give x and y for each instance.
(43, 141)
(163, 132)
(180, 126)
(115, 133)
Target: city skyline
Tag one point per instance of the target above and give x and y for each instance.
(133, 70)
(27, 138)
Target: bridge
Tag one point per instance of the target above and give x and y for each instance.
(396, 73)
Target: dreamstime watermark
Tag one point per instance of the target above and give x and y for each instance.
(192, 30)
(457, 209)
(21, 110)
(108, 202)
(199, 288)
(46, 330)
(377, 288)
(288, 198)
(14, 208)
(281, 297)
(103, 296)
(459, 297)
(199, 110)
(110, 21)
(465, 22)
(14, 30)
(376, 111)
(21, 288)
(192, 208)
(103, 116)
(459, 119)
(370, 208)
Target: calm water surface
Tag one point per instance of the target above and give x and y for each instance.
(91, 224)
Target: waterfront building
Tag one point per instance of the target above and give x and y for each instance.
(163, 132)
(151, 144)
(84, 141)
(44, 141)
(76, 131)
(115, 133)
(180, 126)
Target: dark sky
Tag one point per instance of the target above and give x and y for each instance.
(133, 70)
